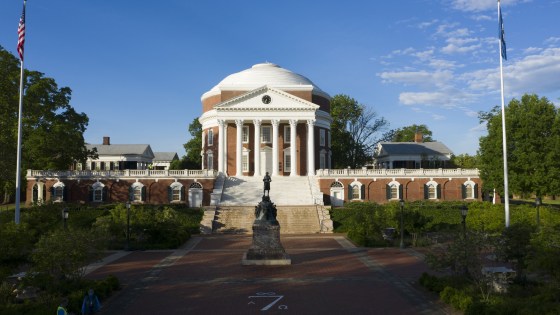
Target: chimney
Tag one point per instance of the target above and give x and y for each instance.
(106, 140)
(418, 137)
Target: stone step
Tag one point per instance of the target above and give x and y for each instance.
(285, 190)
(293, 220)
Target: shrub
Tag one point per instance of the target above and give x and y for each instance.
(457, 298)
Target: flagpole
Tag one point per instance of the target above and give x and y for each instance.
(18, 163)
(504, 142)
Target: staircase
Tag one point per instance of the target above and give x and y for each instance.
(298, 200)
(292, 219)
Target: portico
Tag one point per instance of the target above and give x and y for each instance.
(266, 129)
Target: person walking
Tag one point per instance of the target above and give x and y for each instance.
(91, 303)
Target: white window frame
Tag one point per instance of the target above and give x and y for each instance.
(432, 185)
(97, 188)
(266, 134)
(210, 160)
(137, 192)
(356, 186)
(210, 137)
(245, 161)
(287, 161)
(58, 192)
(287, 134)
(245, 134)
(395, 190)
(176, 192)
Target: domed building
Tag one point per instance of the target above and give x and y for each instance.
(266, 119)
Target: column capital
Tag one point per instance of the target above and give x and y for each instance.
(257, 122)
(275, 122)
(311, 122)
(221, 122)
(293, 122)
(239, 122)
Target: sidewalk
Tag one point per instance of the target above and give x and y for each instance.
(328, 275)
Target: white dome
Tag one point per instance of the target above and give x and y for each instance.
(264, 74)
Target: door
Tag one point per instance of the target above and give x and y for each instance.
(266, 160)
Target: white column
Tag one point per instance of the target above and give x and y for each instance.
(293, 129)
(239, 148)
(202, 150)
(221, 124)
(275, 124)
(257, 123)
(311, 147)
(225, 149)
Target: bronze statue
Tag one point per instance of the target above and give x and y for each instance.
(266, 181)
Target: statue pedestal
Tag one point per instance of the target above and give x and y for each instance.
(266, 248)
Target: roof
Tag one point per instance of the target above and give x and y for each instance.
(165, 156)
(122, 149)
(413, 148)
(264, 74)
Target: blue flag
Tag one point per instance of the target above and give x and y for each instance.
(501, 34)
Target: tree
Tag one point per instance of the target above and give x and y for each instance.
(465, 161)
(52, 131)
(355, 131)
(406, 134)
(533, 147)
(192, 159)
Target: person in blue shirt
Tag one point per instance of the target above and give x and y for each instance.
(62, 307)
(91, 303)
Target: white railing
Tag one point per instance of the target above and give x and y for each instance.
(400, 172)
(124, 174)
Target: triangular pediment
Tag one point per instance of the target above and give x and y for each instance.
(266, 99)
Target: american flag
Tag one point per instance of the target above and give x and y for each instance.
(21, 33)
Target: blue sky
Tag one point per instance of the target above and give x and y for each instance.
(138, 68)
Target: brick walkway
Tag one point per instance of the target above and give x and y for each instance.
(328, 275)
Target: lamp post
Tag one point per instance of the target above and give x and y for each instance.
(402, 222)
(538, 204)
(65, 217)
(128, 225)
(464, 212)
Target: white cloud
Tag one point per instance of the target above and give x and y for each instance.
(438, 117)
(482, 5)
(552, 40)
(420, 78)
(538, 73)
(482, 17)
(479, 128)
(424, 98)
(424, 25)
(532, 50)
(461, 45)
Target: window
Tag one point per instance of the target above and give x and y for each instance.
(245, 134)
(287, 162)
(58, 192)
(92, 166)
(97, 192)
(210, 160)
(286, 134)
(245, 162)
(394, 191)
(175, 192)
(469, 191)
(432, 192)
(355, 192)
(329, 135)
(265, 134)
(137, 192)
(322, 160)
(210, 137)
(322, 136)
